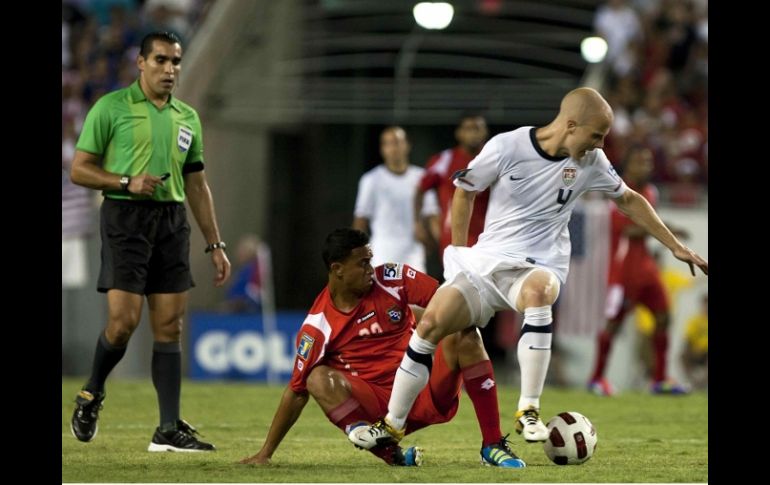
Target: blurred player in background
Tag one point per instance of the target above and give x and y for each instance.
(384, 203)
(351, 343)
(143, 148)
(522, 258)
(471, 134)
(634, 279)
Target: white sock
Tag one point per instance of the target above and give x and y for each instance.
(534, 353)
(411, 377)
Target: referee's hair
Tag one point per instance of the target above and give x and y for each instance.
(168, 37)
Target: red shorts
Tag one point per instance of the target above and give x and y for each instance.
(435, 404)
(623, 297)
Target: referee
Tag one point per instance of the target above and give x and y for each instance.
(143, 149)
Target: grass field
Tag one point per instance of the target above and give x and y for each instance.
(642, 438)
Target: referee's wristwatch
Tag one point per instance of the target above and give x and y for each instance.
(217, 245)
(124, 181)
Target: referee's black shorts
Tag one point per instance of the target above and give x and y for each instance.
(145, 247)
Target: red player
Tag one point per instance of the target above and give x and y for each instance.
(352, 342)
(634, 279)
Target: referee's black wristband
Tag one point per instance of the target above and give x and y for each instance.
(217, 245)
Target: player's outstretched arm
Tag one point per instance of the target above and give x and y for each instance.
(286, 415)
(641, 212)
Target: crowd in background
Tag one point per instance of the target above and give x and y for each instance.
(657, 84)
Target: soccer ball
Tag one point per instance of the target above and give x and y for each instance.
(572, 439)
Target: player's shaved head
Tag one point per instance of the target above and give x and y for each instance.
(583, 122)
(584, 104)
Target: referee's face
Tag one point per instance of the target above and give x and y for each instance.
(160, 70)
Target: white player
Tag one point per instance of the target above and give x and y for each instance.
(520, 260)
(384, 204)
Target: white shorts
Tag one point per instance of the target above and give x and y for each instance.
(488, 284)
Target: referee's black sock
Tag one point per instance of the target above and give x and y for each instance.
(106, 358)
(167, 378)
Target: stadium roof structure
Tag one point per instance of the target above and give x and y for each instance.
(366, 61)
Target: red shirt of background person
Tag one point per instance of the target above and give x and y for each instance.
(634, 278)
(631, 264)
(471, 134)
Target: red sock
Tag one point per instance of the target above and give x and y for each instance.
(605, 342)
(660, 344)
(482, 389)
(350, 412)
(347, 413)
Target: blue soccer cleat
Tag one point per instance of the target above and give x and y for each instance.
(500, 454)
(413, 456)
(669, 387)
(601, 387)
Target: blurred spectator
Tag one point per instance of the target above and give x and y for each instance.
(169, 15)
(77, 212)
(102, 10)
(658, 88)
(619, 25)
(252, 260)
(695, 356)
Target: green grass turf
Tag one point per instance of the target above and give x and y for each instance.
(642, 438)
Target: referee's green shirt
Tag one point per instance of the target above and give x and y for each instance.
(134, 136)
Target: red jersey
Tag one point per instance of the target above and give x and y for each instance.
(630, 259)
(370, 340)
(438, 175)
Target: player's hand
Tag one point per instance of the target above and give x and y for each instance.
(144, 184)
(221, 267)
(421, 234)
(256, 460)
(691, 257)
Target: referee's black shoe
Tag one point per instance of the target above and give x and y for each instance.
(180, 439)
(84, 424)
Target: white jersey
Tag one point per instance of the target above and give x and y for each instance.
(386, 199)
(532, 195)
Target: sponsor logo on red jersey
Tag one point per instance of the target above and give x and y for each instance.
(366, 317)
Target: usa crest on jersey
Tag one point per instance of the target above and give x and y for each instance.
(184, 139)
(568, 175)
